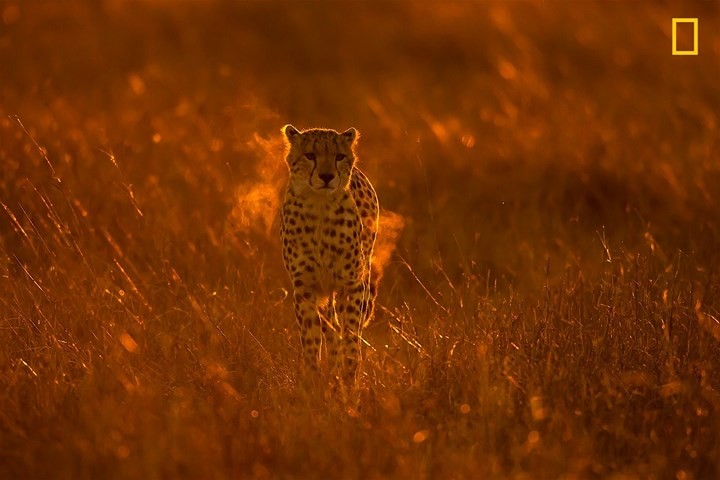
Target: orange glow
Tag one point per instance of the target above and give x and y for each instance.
(256, 208)
(390, 227)
(548, 243)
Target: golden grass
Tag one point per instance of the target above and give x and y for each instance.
(550, 177)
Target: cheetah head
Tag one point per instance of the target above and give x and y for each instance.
(320, 159)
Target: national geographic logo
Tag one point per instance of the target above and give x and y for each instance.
(694, 23)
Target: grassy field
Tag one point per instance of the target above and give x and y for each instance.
(549, 175)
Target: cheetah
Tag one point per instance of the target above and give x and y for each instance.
(329, 222)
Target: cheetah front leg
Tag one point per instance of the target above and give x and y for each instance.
(350, 315)
(308, 318)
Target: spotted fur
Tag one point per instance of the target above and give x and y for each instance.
(329, 225)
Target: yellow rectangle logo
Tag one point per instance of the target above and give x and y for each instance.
(694, 22)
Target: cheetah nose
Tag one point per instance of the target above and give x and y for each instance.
(326, 177)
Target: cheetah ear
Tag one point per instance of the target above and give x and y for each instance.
(351, 134)
(290, 132)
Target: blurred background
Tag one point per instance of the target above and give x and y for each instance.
(527, 155)
(511, 131)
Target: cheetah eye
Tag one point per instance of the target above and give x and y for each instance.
(310, 156)
(339, 157)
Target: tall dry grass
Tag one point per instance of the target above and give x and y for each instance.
(550, 303)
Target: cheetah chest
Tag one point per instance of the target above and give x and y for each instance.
(328, 236)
